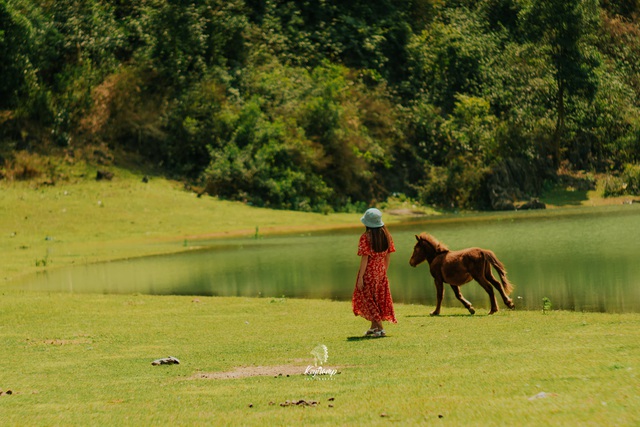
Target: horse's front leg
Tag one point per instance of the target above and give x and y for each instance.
(439, 296)
(467, 304)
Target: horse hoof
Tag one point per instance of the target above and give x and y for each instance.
(472, 310)
(493, 311)
(433, 313)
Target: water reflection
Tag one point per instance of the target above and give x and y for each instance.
(582, 260)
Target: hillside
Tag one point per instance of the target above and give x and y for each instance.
(329, 106)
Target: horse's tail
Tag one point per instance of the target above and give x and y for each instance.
(491, 257)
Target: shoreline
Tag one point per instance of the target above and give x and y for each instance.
(92, 222)
(175, 245)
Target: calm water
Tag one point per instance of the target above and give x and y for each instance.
(585, 260)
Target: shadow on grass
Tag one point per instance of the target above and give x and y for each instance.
(364, 338)
(446, 315)
(571, 190)
(562, 197)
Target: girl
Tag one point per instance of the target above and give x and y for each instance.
(371, 296)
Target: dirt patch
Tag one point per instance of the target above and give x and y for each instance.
(253, 371)
(67, 342)
(60, 342)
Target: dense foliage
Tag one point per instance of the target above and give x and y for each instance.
(327, 104)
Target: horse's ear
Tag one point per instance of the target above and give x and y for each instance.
(417, 238)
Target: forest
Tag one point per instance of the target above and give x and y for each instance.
(329, 105)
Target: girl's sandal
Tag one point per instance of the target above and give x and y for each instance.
(380, 333)
(370, 332)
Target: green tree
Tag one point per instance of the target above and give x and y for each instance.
(304, 139)
(16, 41)
(186, 39)
(469, 135)
(451, 57)
(564, 27)
(626, 8)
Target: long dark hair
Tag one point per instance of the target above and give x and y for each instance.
(380, 238)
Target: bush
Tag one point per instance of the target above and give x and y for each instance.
(628, 183)
(25, 166)
(463, 148)
(265, 163)
(459, 185)
(631, 177)
(303, 139)
(614, 186)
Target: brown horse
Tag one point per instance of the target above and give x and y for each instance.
(459, 267)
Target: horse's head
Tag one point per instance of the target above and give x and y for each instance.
(426, 249)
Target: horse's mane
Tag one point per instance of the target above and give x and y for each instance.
(439, 247)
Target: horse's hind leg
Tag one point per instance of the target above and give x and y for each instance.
(467, 304)
(492, 297)
(496, 284)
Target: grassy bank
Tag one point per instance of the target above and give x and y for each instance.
(87, 221)
(86, 360)
(82, 220)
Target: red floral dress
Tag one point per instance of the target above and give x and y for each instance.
(374, 301)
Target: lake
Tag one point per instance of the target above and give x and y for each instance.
(585, 259)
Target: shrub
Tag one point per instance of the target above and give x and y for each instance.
(631, 177)
(303, 139)
(627, 183)
(24, 166)
(614, 186)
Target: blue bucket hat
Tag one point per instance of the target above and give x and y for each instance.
(372, 218)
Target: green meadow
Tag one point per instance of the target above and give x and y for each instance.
(85, 359)
(43, 227)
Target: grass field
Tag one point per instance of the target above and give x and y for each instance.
(87, 221)
(86, 360)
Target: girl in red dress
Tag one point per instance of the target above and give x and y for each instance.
(371, 296)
